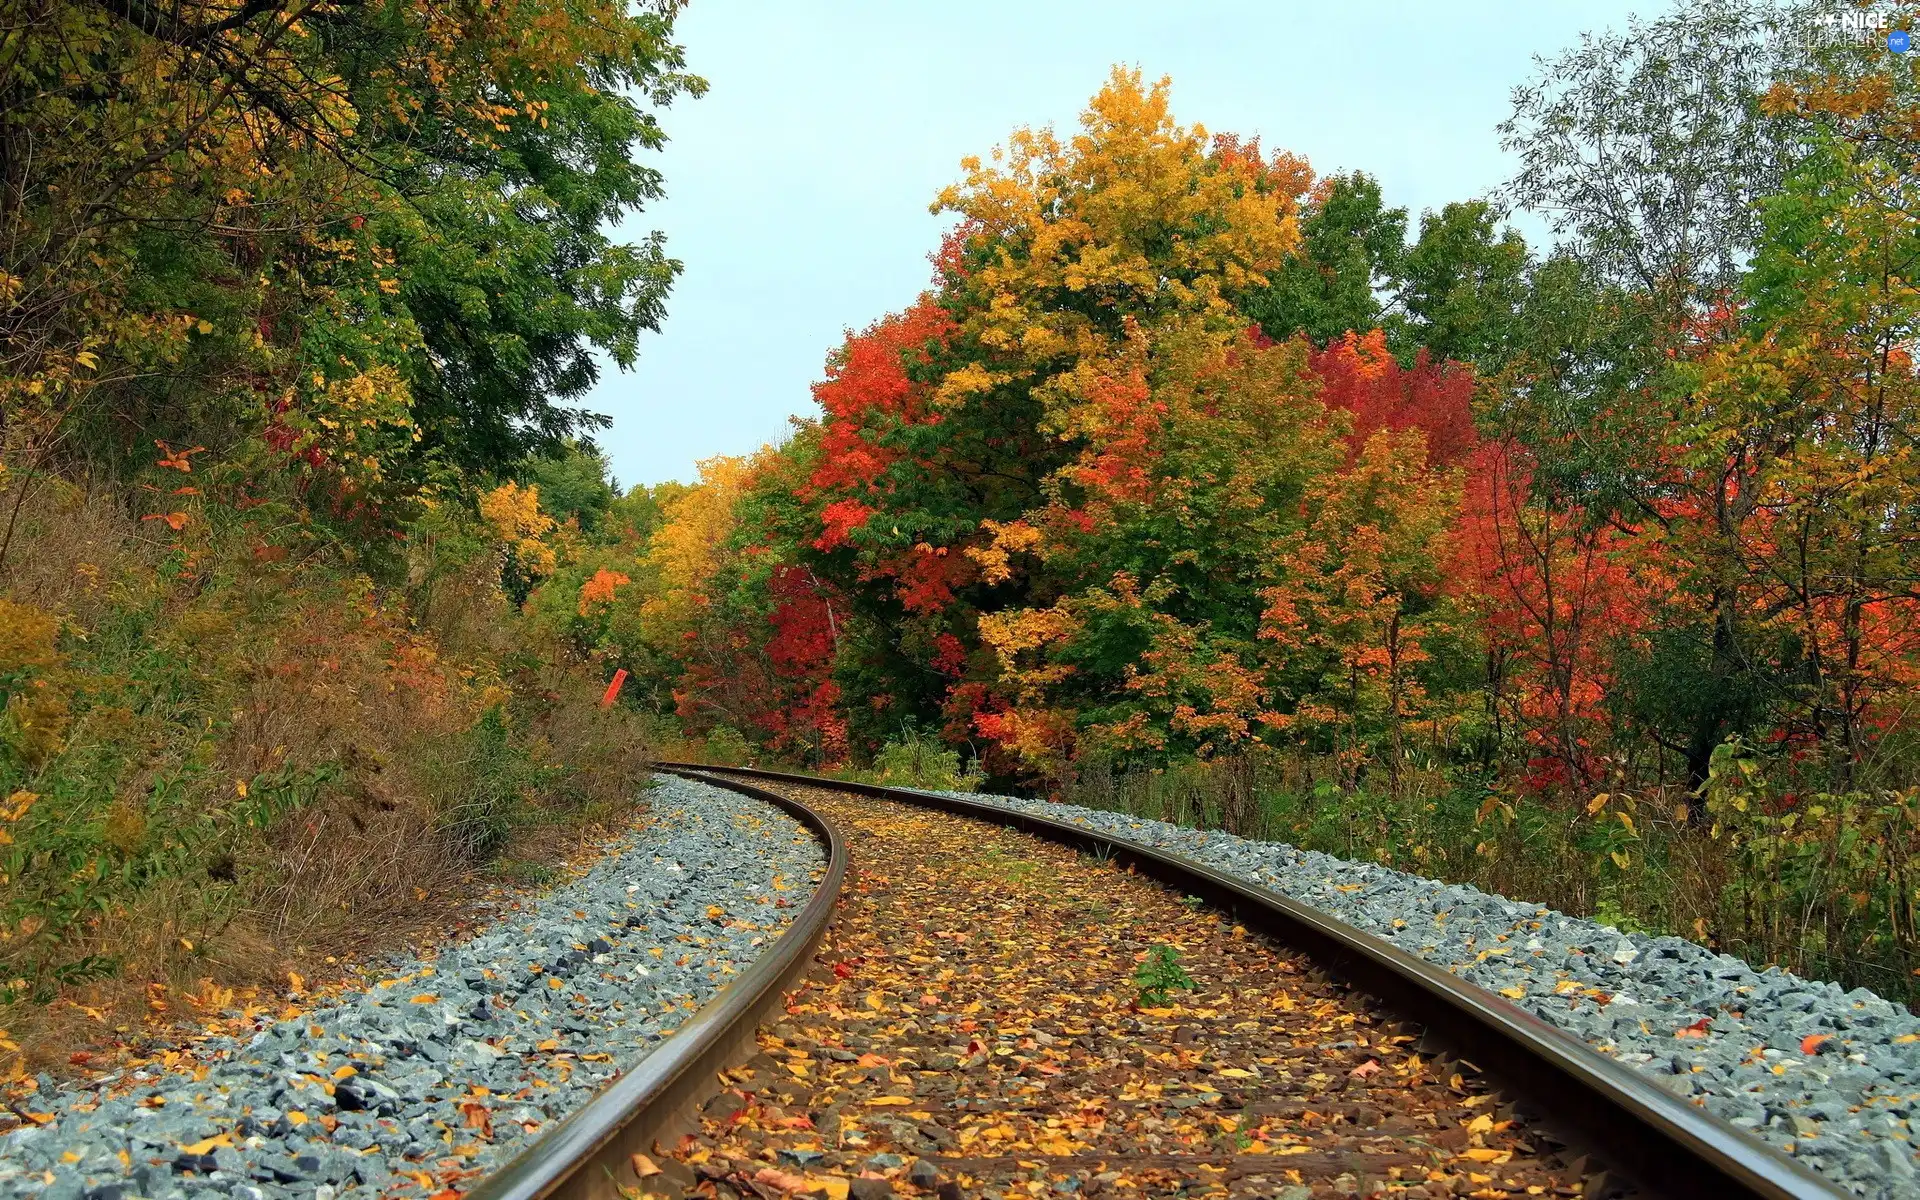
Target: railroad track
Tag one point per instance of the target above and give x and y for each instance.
(972, 1022)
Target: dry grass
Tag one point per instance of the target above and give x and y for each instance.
(264, 770)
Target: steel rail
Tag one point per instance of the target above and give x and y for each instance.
(1640, 1131)
(589, 1154)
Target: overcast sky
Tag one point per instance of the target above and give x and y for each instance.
(798, 186)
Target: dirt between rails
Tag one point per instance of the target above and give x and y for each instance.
(974, 1026)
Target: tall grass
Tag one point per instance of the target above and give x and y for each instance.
(1826, 885)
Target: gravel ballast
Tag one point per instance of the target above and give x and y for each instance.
(1843, 1109)
(444, 1069)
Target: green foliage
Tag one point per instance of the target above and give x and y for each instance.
(919, 761)
(1463, 284)
(1159, 976)
(1351, 246)
(1822, 883)
(483, 790)
(574, 485)
(726, 747)
(1647, 147)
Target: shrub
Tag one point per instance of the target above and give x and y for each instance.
(726, 747)
(915, 760)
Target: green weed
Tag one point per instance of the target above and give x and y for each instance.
(1161, 975)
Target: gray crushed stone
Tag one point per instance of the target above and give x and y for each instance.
(492, 1046)
(1845, 1110)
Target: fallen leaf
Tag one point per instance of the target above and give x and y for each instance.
(213, 1143)
(834, 1186)
(1696, 1030)
(1812, 1042)
(782, 1180)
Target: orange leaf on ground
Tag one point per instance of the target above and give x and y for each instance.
(1812, 1042)
(1696, 1030)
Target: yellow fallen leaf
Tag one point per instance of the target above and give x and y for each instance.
(548, 1044)
(1234, 1073)
(424, 998)
(1487, 1155)
(213, 1143)
(876, 1001)
(833, 1185)
(883, 1101)
(1513, 993)
(346, 1072)
(1480, 1124)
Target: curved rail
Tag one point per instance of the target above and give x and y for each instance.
(1641, 1131)
(589, 1155)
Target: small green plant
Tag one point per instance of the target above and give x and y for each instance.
(1160, 975)
(524, 871)
(1192, 903)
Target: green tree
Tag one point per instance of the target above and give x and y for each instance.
(1462, 285)
(574, 483)
(1351, 245)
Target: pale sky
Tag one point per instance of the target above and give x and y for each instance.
(798, 186)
